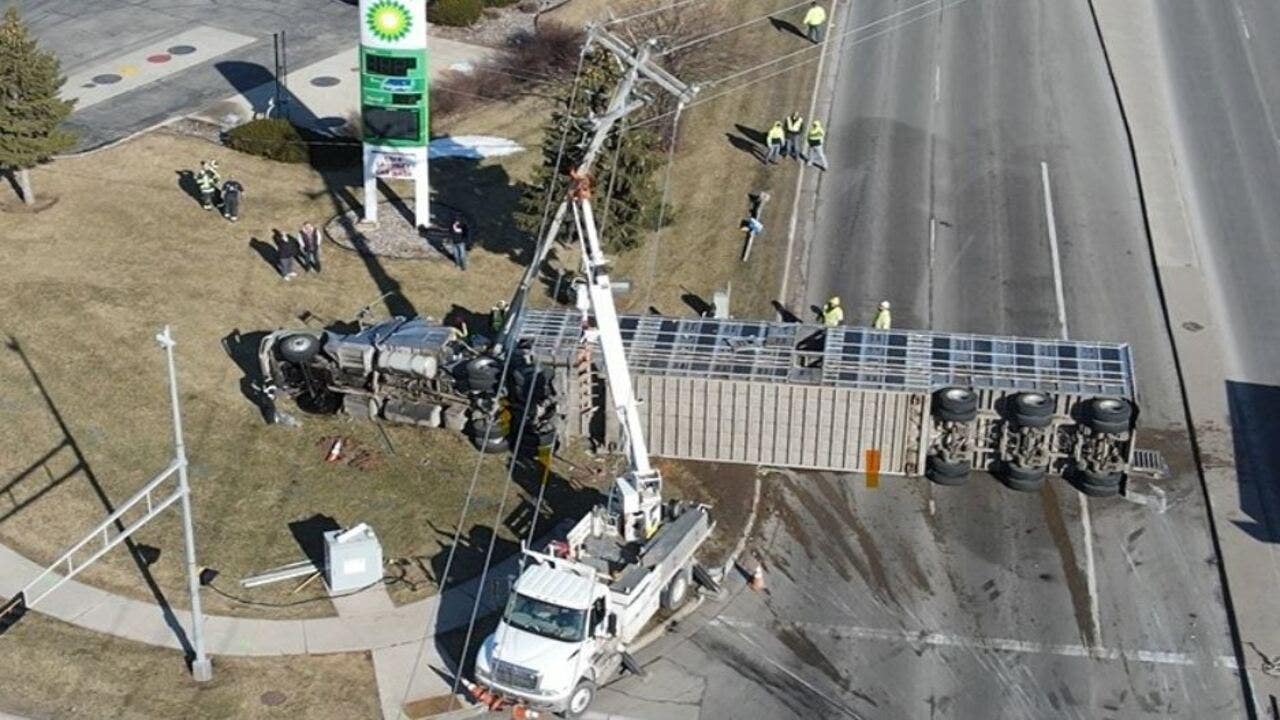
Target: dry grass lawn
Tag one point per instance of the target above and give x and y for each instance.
(72, 674)
(88, 283)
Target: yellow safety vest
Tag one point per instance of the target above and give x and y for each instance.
(832, 316)
(775, 133)
(795, 124)
(816, 134)
(815, 16)
(883, 320)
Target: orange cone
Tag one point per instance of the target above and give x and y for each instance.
(757, 577)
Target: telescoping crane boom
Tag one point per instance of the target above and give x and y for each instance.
(637, 493)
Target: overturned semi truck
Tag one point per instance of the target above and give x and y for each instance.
(898, 402)
(847, 399)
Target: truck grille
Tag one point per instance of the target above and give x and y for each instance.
(515, 676)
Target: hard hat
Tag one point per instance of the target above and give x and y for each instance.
(834, 301)
(884, 304)
(213, 164)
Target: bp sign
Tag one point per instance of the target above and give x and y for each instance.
(393, 97)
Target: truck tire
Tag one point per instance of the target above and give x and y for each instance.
(1099, 484)
(943, 472)
(1024, 479)
(487, 437)
(676, 591)
(1110, 415)
(298, 347)
(580, 699)
(955, 404)
(1032, 409)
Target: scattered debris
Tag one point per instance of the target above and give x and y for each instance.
(352, 452)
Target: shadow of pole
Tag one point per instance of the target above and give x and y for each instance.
(170, 619)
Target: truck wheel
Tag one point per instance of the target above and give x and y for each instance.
(1025, 479)
(955, 404)
(298, 348)
(580, 699)
(1032, 409)
(676, 592)
(487, 437)
(1110, 415)
(944, 472)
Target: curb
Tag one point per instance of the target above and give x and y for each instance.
(661, 629)
(732, 559)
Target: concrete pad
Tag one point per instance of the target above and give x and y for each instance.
(133, 70)
(393, 668)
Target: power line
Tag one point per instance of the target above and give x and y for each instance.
(662, 206)
(739, 26)
(651, 11)
(746, 71)
(502, 382)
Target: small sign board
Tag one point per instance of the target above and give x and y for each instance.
(12, 611)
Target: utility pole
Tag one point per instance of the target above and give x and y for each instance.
(201, 666)
(625, 100)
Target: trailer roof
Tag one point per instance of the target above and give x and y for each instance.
(849, 357)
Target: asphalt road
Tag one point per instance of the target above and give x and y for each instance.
(83, 34)
(917, 601)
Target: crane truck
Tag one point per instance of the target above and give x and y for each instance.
(574, 608)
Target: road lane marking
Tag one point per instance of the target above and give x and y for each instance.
(937, 82)
(1244, 23)
(1091, 575)
(1025, 647)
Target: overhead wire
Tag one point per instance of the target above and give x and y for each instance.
(502, 382)
(651, 11)
(703, 99)
(662, 205)
(732, 28)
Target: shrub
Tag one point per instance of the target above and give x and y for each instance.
(549, 55)
(278, 139)
(271, 138)
(458, 13)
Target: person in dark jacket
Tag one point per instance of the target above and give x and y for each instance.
(231, 192)
(310, 238)
(459, 237)
(286, 251)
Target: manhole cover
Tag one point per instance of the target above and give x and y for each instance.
(325, 81)
(181, 50)
(272, 698)
(106, 79)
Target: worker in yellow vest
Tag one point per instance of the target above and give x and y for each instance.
(814, 20)
(794, 127)
(817, 156)
(883, 320)
(773, 139)
(832, 313)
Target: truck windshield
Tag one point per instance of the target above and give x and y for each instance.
(545, 619)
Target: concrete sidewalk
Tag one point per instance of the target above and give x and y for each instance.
(324, 95)
(371, 627)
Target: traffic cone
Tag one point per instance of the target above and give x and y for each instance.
(335, 451)
(520, 712)
(757, 578)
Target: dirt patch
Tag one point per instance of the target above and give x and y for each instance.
(727, 488)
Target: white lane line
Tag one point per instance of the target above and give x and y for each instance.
(1244, 23)
(936, 639)
(1091, 575)
(1053, 250)
(937, 82)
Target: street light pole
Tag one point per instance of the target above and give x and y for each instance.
(201, 666)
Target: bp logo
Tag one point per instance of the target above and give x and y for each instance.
(388, 20)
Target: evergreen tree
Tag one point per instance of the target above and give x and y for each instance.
(30, 109)
(627, 196)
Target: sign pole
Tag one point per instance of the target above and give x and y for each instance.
(394, 100)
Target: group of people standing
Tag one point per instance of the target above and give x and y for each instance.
(783, 140)
(305, 249)
(832, 314)
(216, 193)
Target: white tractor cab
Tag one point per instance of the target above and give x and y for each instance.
(573, 610)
